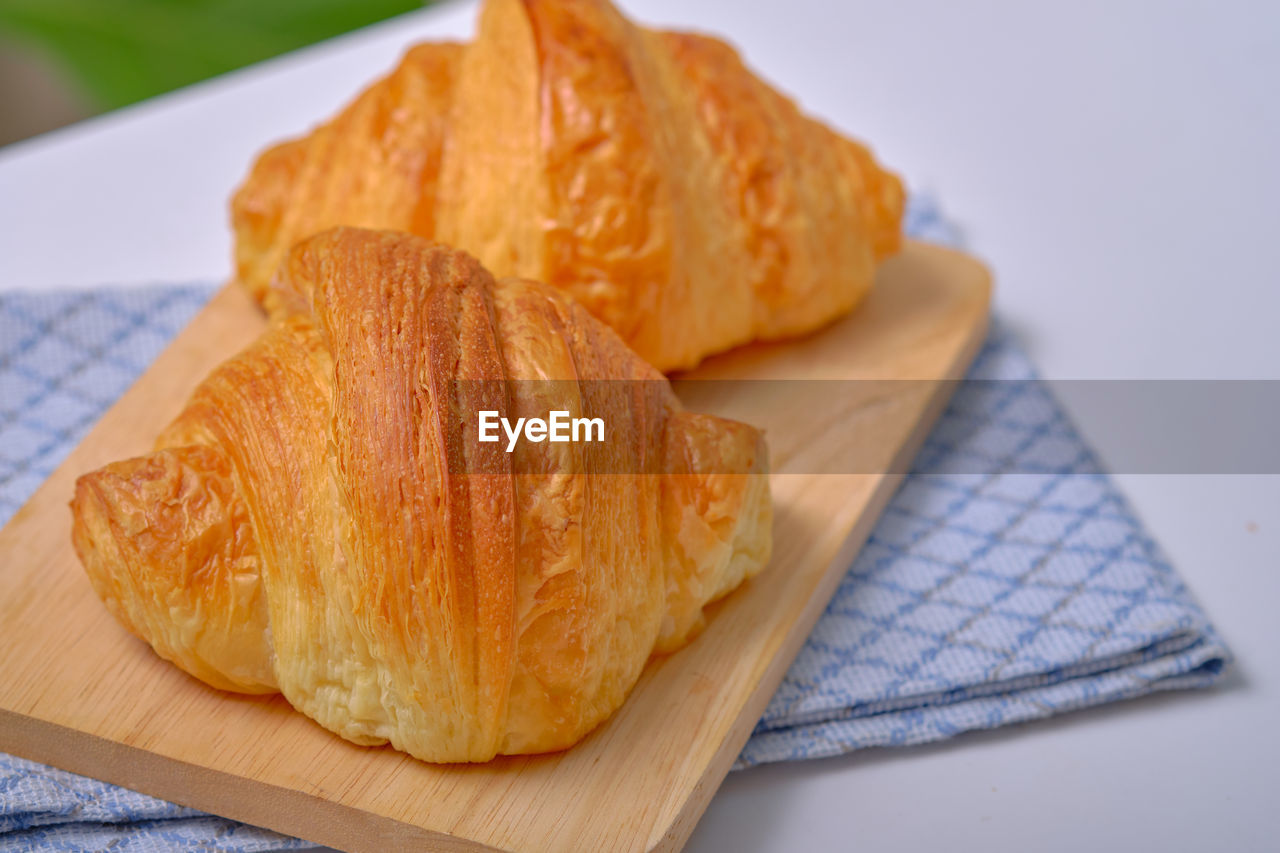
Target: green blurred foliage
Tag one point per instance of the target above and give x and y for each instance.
(122, 51)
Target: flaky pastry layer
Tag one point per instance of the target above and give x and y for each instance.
(322, 519)
(652, 175)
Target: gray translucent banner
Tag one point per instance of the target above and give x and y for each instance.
(978, 427)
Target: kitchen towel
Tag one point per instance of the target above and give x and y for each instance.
(1008, 579)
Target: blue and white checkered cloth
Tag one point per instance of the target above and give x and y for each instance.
(1007, 581)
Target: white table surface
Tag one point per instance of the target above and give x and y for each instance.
(1112, 161)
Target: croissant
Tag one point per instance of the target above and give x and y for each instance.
(682, 200)
(323, 520)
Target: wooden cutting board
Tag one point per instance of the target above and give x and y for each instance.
(78, 692)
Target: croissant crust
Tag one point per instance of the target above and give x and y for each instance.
(322, 520)
(650, 174)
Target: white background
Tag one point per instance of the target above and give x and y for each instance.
(1114, 163)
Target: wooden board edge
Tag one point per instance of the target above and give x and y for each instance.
(272, 807)
(681, 825)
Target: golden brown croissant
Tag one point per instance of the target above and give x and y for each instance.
(323, 520)
(678, 197)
